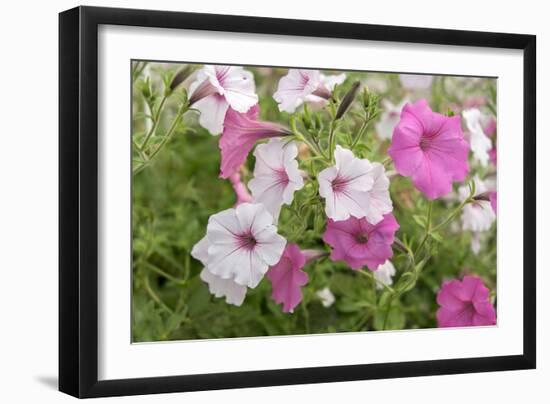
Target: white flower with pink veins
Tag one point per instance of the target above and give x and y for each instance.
(217, 88)
(276, 175)
(346, 185)
(380, 202)
(219, 287)
(303, 85)
(243, 243)
(478, 215)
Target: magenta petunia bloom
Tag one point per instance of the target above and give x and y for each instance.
(287, 278)
(240, 132)
(359, 243)
(430, 148)
(465, 303)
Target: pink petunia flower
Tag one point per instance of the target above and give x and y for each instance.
(240, 133)
(217, 88)
(346, 185)
(240, 190)
(276, 175)
(490, 127)
(464, 303)
(243, 243)
(430, 148)
(302, 85)
(359, 243)
(287, 278)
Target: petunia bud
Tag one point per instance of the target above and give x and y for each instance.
(181, 76)
(347, 100)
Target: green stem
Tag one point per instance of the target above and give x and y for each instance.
(370, 275)
(331, 145)
(159, 271)
(154, 296)
(453, 214)
(360, 134)
(156, 119)
(428, 230)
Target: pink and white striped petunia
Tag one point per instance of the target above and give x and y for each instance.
(276, 175)
(303, 85)
(243, 243)
(346, 185)
(219, 287)
(217, 88)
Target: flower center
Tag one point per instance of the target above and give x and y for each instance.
(424, 143)
(246, 241)
(339, 184)
(362, 238)
(282, 176)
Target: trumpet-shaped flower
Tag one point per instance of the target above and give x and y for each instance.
(384, 274)
(465, 303)
(243, 243)
(219, 287)
(302, 85)
(241, 131)
(479, 142)
(359, 243)
(430, 148)
(389, 118)
(415, 81)
(346, 186)
(276, 175)
(493, 200)
(477, 215)
(287, 278)
(217, 88)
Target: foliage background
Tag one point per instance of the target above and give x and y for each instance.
(174, 194)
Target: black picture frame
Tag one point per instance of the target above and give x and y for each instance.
(78, 200)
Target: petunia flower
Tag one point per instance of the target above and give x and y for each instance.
(276, 175)
(479, 142)
(380, 201)
(490, 127)
(243, 243)
(240, 190)
(493, 156)
(383, 274)
(326, 297)
(302, 85)
(430, 148)
(241, 131)
(478, 215)
(219, 287)
(359, 243)
(389, 118)
(287, 278)
(346, 185)
(415, 81)
(217, 88)
(464, 303)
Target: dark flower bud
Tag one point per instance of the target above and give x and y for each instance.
(347, 100)
(180, 77)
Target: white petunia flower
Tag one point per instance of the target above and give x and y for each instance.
(219, 287)
(326, 297)
(389, 119)
(276, 175)
(243, 243)
(478, 215)
(416, 81)
(346, 186)
(304, 85)
(380, 202)
(384, 274)
(480, 144)
(475, 242)
(217, 88)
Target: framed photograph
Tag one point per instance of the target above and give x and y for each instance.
(250, 201)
